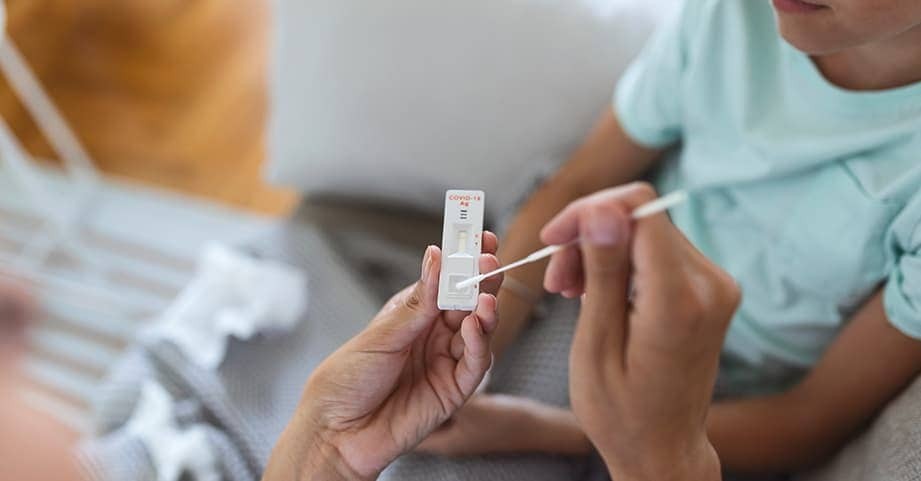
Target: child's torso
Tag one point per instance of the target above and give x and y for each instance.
(798, 184)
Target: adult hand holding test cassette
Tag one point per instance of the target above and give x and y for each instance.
(384, 390)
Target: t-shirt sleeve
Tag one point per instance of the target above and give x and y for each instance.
(647, 99)
(902, 294)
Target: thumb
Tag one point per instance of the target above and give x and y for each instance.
(606, 234)
(410, 311)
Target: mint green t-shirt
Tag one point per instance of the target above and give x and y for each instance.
(808, 194)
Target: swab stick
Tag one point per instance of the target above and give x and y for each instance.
(648, 209)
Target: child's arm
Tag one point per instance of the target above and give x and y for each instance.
(607, 157)
(500, 424)
(868, 365)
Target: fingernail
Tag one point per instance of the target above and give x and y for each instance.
(603, 228)
(426, 263)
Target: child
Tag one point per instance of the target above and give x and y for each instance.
(803, 154)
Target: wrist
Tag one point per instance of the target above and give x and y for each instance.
(513, 314)
(553, 430)
(521, 291)
(324, 461)
(697, 462)
(308, 452)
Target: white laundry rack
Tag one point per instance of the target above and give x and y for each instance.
(61, 216)
(64, 377)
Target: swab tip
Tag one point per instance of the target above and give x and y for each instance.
(468, 282)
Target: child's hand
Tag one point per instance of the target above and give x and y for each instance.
(494, 424)
(485, 425)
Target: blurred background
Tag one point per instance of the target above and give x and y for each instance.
(170, 93)
(169, 100)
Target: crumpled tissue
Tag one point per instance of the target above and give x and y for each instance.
(232, 294)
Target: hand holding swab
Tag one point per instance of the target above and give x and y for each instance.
(648, 209)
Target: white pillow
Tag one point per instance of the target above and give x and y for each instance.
(399, 100)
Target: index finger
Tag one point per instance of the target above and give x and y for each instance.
(565, 272)
(564, 227)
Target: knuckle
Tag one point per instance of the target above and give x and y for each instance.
(731, 291)
(720, 297)
(413, 299)
(730, 295)
(642, 191)
(604, 207)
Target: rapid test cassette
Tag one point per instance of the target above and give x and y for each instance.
(461, 245)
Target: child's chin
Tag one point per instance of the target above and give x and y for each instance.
(809, 42)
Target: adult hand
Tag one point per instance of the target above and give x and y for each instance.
(386, 389)
(645, 353)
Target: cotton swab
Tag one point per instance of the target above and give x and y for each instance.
(660, 205)
(648, 209)
(534, 257)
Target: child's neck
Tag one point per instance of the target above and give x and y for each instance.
(888, 64)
